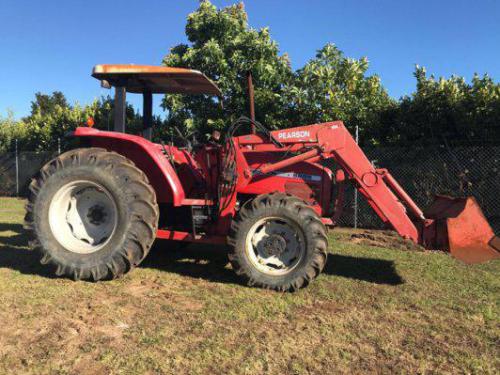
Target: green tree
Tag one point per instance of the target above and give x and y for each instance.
(51, 118)
(10, 130)
(102, 111)
(225, 48)
(447, 110)
(45, 104)
(329, 87)
(334, 87)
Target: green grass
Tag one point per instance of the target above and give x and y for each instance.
(372, 310)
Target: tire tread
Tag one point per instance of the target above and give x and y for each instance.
(138, 241)
(309, 271)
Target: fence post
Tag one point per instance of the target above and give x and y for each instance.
(58, 146)
(356, 190)
(17, 172)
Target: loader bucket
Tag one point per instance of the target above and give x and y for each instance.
(462, 229)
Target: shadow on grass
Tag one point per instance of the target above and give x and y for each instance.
(17, 239)
(194, 260)
(14, 253)
(376, 271)
(207, 262)
(199, 261)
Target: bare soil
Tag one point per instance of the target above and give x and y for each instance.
(379, 238)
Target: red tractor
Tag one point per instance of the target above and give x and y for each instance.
(95, 211)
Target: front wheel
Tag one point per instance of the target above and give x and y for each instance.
(92, 214)
(278, 242)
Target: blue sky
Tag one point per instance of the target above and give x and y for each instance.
(52, 45)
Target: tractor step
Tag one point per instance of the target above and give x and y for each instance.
(200, 216)
(197, 202)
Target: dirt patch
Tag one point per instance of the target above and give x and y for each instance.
(169, 296)
(141, 290)
(89, 367)
(386, 239)
(185, 303)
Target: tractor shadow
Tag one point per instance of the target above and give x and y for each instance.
(15, 253)
(208, 262)
(377, 271)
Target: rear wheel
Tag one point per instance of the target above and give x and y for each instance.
(278, 242)
(92, 214)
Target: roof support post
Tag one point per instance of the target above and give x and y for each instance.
(120, 105)
(147, 115)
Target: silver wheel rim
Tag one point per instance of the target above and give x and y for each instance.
(275, 245)
(83, 216)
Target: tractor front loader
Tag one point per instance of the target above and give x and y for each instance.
(95, 211)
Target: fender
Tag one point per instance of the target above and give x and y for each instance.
(146, 155)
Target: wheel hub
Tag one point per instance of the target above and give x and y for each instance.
(83, 216)
(97, 214)
(275, 245)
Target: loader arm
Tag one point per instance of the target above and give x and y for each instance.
(383, 194)
(333, 140)
(453, 224)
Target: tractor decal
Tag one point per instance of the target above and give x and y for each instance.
(294, 134)
(297, 175)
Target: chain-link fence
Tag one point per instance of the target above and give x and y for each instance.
(426, 171)
(422, 171)
(17, 169)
